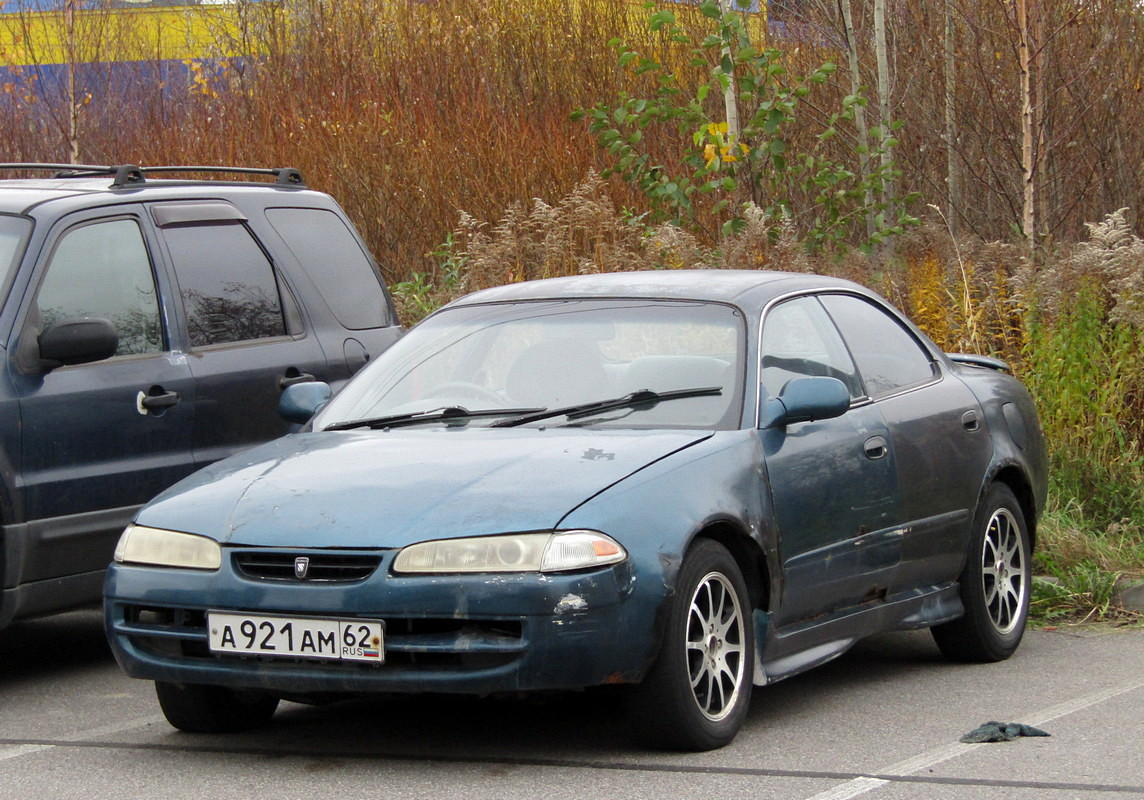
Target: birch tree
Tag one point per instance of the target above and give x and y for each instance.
(860, 125)
(949, 71)
(881, 54)
(1028, 185)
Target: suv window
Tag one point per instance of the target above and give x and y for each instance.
(228, 285)
(888, 356)
(12, 233)
(103, 270)
(331, 255)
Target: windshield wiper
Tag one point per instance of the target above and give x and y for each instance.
(643, 399)
(446, 414)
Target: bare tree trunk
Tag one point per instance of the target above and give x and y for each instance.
(73, 101)
(859, 111)
(882, 56)
(1028, 210)
(730, 94)
(953, 173)
(1041, 118)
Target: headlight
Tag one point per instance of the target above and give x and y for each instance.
(142, 545)
(524, 552)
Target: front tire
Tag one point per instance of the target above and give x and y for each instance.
(995, 585)
(213, 709)
(696, 695)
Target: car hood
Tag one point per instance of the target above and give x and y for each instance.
(393, 488)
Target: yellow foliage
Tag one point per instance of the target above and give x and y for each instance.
(928, 298)
(963, 306)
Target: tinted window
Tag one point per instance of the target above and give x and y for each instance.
(888, 356)
(12, 232)
(800, 341)
(227, 283)
(103, 270)
(335, 262)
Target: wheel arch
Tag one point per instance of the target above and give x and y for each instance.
(1018, 483)
(748, 556)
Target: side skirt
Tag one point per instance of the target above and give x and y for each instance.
(796, 648)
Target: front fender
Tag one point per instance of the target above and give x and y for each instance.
(657, 512)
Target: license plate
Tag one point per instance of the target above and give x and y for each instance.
(297, 637)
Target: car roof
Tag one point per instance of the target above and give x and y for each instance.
(747, 288)
(23, 195)
(20, 196)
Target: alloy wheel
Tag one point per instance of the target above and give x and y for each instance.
(715, 646)
(1003, 571)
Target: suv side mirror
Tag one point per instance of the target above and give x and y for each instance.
(300, 401)
(78, 340)
(805, 400)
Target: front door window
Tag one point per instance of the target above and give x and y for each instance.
(103, 270)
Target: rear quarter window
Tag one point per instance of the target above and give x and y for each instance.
(334, 260)
(888, 356)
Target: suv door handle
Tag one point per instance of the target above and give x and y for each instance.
(297, 377)
(157, 402)
(969, 421)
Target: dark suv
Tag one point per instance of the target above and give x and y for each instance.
(147, 329)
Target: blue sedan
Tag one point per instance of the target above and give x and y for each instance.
(689, 483)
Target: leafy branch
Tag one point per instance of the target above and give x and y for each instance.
(740, 154)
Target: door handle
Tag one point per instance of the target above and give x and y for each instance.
(876, 448)
(969, 421)
(293, 376)
(156, 400)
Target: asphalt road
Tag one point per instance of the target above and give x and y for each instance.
(880, 723)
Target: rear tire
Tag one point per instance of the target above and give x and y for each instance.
(696, 695)
(995, 585)
(213, 709)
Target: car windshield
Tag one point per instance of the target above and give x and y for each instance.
(555, 354)
(13, 231)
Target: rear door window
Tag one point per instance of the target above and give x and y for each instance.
(889, 358)
(336, 263)
(229, 289)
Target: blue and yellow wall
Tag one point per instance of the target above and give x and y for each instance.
(36, 32)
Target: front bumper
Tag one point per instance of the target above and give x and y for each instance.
(472, 634)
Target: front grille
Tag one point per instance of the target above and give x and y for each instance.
(323, 567)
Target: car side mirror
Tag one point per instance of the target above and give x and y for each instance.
(79, 340)
(300, 401)
(806, 400)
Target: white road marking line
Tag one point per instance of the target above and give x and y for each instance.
(22, 750)
(927, 759)
(859, 786)
(15, 751)
(1081, 703)
(851, 789)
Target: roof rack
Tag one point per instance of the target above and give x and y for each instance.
(287, 176)
(131, 175)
